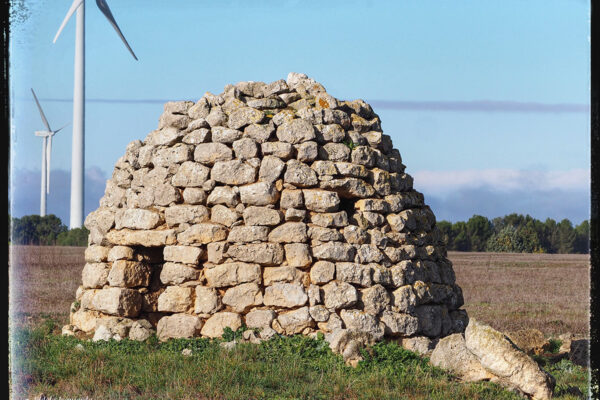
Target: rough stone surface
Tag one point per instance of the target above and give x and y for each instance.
(272, 204)
(178, 326)
(214, 326)
(499, 356)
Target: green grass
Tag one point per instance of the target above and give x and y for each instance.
(282, 368)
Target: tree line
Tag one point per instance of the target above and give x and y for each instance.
(513, 233)
(45, 231)
(516, 233)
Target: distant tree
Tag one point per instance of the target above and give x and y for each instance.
(507, 240)
(445, 228)
(566, 236)
(460, 237)
(36, 230)
(73, 237)
(582, 238)
(479, 230)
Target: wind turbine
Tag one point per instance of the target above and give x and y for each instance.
(78, 145)
(46, 153)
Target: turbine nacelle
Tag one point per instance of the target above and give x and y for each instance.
(103, 6)
(43, 133)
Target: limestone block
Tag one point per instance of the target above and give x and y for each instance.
(300, 174)
(190, 174)
(399, 323)
(202, 234)
(404, 299)
(278, 149)
(223, 215)
(289, 232)
(214, 326)
(221, 134)
(374, 299)
(500, 357)
(307, 151)
(245, 148)
(193, 195)
(295, 131)
(243, 296)
(186, 214)
(322, 272)
(176, 299)
(120, 253)
(248, 234)
(297, 255)
(259, 253)
(123, 302)
(210, 153)
(96, 254)
(339, 295)
(260, 318)
(178, 326)
(353, 273)
(128, 237)
(259, 194)
(327, 220)
(321, 200)
(321, 234)
(207, 301)
(262, 216)
(281, 274)
(95, 275)
(174, 273)
(244, 116)
(259, 133)
(223, 195)
(129, 274)
(285, 295)
(334, 251)
(231, 274)
(182, 254)
(356, 320)
(296, 321)
(234, 172)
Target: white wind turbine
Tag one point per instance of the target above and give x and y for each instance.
(77, 155)
(46, 153)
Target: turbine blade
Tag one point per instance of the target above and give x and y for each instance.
(61, 128)
(48, 154)
(74, 6)
(103, 6)
(41, 111)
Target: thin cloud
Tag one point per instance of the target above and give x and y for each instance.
(446, 106)
(503, 180)
(482, 106)
(462, 203)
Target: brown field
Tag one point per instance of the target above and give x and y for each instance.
(549, 292)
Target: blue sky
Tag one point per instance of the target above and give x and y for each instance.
(532, 55)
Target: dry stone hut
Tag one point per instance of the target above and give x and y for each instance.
(272, 205)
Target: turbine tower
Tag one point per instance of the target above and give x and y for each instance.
(46, 153)
(78, 145)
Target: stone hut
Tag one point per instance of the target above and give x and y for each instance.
(273, 205)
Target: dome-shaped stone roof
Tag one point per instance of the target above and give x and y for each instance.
(272, 205)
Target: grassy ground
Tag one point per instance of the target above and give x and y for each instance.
(282, 368)
(507, 291)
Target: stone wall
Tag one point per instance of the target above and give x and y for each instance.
(272, 205)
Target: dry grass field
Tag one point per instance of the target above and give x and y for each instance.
(508, 291)
(549, 292)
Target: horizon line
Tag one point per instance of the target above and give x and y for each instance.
(415, 105)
